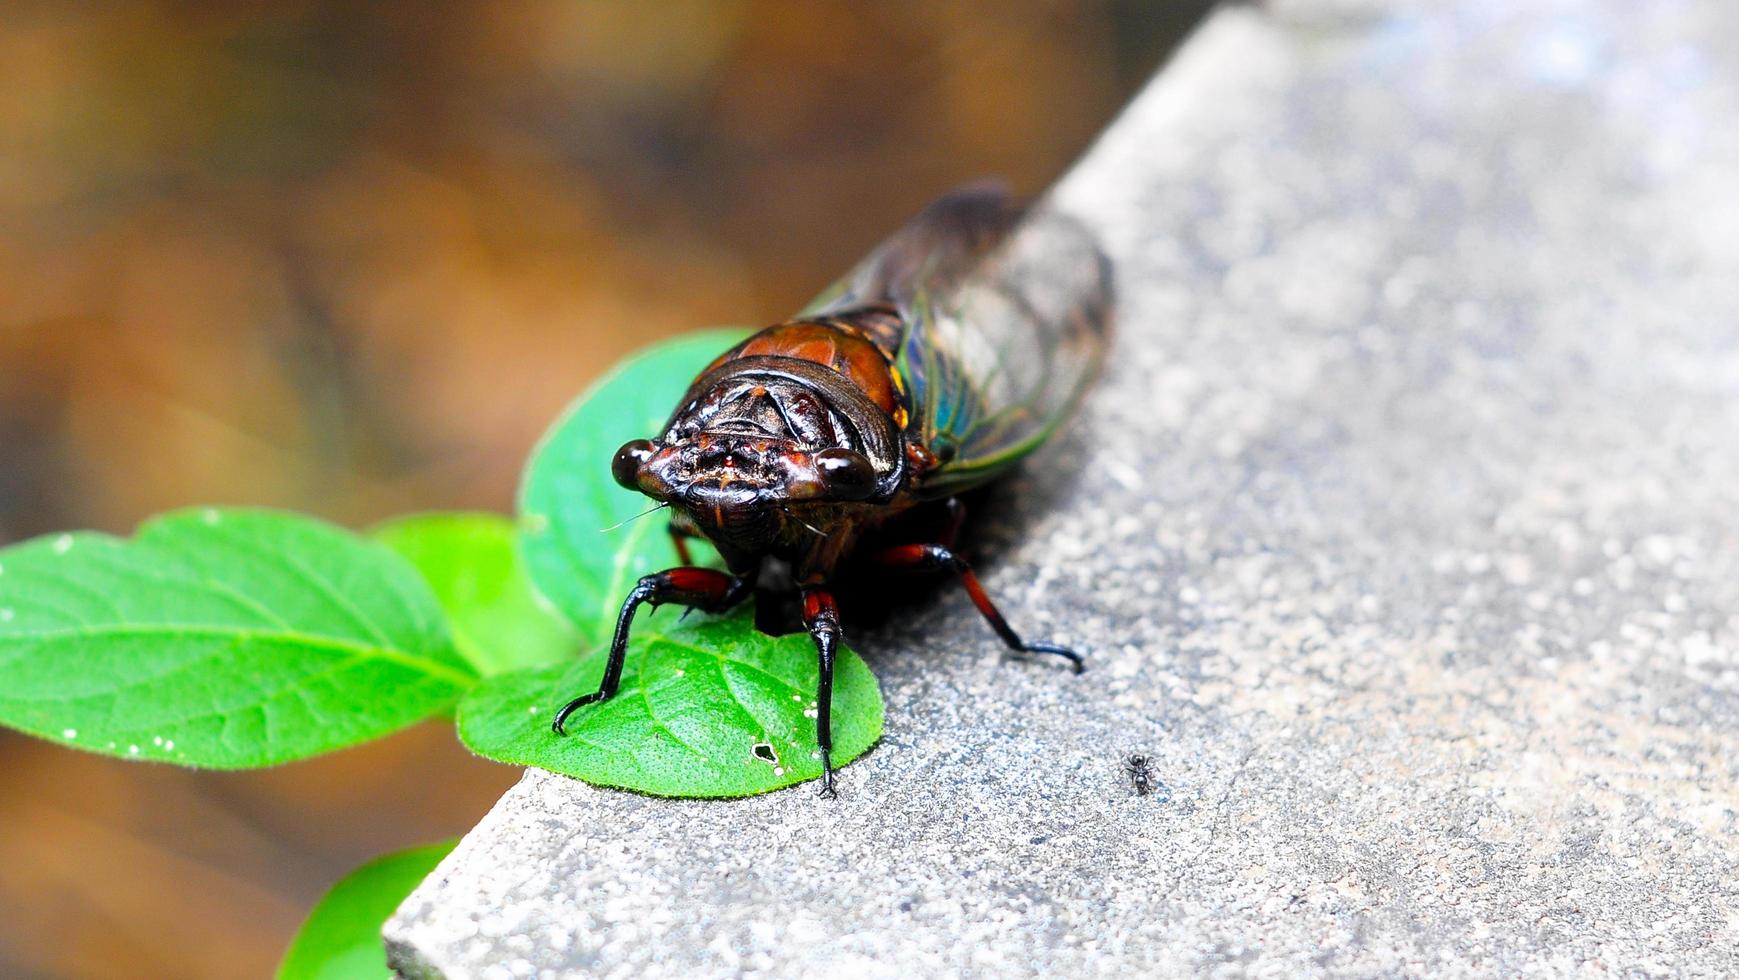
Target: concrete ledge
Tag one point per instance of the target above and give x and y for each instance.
(1403, 534)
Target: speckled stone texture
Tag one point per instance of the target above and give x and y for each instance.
(1404, 533)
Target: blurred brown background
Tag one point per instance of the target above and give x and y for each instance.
(351, 258)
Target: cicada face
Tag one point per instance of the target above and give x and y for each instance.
(751, 450)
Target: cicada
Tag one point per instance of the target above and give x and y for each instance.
(956, 348)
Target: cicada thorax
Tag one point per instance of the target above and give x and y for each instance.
(859, 347)
(789, 444)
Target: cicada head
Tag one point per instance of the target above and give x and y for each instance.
(752, 457)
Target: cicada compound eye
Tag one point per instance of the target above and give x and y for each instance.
(847, 475)
(626, 466)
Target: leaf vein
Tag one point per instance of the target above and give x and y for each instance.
(423, 664)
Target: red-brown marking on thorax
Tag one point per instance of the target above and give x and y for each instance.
(838, 347)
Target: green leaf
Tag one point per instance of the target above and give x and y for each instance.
(220, 638)
(567, 497)
(695, 702)
(341, 938)
(472, 562)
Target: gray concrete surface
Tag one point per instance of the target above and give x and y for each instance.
(1403, 534)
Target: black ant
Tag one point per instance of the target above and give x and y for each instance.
(1139, 769)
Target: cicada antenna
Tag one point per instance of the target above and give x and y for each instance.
(655, 508)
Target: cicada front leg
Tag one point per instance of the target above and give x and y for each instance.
(681, 530)
(935, 557)
(706, 589)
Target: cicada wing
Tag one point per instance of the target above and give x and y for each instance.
(930, 254)
(1004, 314)
(996, 362)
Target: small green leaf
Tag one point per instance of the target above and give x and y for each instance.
(695, 703)
(472, 562)
(341, 938)
(220, 638)
(567, 498)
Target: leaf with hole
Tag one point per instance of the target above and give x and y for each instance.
(220, 638)
(341, 938)
(567, 499)
(473, 564)
(707, 708)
